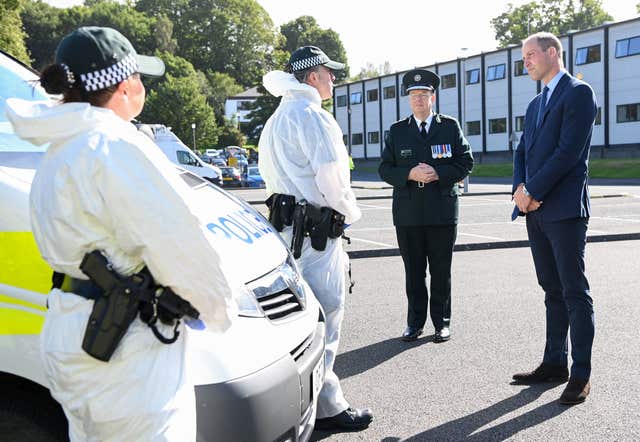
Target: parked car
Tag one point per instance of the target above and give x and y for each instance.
(252, 177)
(257, 381)
(180, 154)
(219, 162)
(231, 177)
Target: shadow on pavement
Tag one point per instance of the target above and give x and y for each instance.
(465, 428)
(362, 359)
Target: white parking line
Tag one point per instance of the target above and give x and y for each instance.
(482, 236)
(371, 242)
(616, 219)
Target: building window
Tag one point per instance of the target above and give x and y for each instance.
(598, 117)
(244, 105)
(626, 113)
(345, 139)
(389, 92)
(448, 81)
(519, 69)
(627, 47)
(356, 97)
(520, 123)
(373, 137)
(498, 126)
(372, 95)
(356, 139)
(473, 128)
(473, 76)
(341, 100)
(588, 55)
(495, 72)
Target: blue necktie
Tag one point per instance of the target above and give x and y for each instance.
(543, 105)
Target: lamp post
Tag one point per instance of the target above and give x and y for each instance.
(193, 130)
(463, 119)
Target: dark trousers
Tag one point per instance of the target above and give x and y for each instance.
(558, 254)
(432, 247)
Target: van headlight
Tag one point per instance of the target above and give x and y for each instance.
(248, 304)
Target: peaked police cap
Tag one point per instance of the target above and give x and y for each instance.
(100, 57)
(420, 79)
(309, 56)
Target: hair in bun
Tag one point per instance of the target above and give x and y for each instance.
(57, 78)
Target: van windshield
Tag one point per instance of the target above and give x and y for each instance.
(16, 81)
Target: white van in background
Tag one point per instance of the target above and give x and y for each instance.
(180, 154)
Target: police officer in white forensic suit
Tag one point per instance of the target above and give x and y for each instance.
(103, 185)
(305, 166)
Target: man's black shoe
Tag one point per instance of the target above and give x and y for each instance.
(544, 373)
(575, 392)
(442, 335)
(411, 334)
(351, 419)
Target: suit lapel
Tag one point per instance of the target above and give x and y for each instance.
(553, 101)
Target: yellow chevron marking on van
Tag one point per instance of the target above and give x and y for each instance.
(21, 266)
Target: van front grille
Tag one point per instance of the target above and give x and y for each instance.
(280, 304)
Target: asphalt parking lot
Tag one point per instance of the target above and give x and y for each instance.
(460, 390)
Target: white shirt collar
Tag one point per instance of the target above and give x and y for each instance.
(554, 82)
(418, 122)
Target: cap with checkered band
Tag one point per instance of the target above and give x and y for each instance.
(101, 57)
(309, 56)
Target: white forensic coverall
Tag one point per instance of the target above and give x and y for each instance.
(104, 185)
(302, 154)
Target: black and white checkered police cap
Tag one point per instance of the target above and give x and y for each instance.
(309, 56)
(100, 57)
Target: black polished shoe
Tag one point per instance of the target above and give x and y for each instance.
(575, 392)
(442, 335)
(411, 334)
(544, 373)
(351, 419)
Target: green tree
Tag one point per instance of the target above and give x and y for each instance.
(221, 86)
(11, 34)
(230, 135)
(638, 8)
(370, 71)
(236, 37)
(178, 99)
(305, 31)
(555, 16)
(46, 25)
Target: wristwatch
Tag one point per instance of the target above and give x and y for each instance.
(525, 191)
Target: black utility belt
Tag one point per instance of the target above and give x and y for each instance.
(118, 300)
(318, 223)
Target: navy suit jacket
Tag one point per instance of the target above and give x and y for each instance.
(552, 160)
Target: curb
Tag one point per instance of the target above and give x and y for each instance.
(383, 197)
(381, 253)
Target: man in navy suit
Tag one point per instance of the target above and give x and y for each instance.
(550, 188)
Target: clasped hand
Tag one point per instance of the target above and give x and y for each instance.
(423, 173)
(526, 203)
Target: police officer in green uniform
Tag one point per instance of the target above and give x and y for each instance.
(425, 156)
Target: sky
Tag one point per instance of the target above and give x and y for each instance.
(408, 34)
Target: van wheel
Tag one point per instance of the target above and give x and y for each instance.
(29, 413)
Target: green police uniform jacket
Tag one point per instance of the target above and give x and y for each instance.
(446, 150)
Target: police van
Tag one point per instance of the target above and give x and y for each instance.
(180, 154)
(257, 381)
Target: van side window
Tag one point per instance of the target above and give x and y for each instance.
(186, 158)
